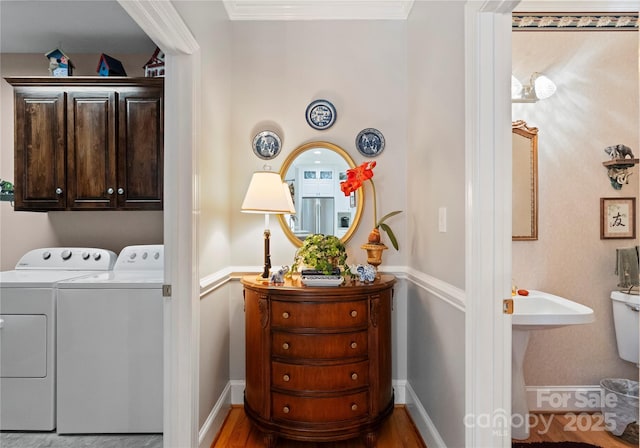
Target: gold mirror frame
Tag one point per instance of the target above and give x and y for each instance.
(525, 182)
(359, 195)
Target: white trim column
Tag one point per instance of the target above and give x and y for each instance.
(162, 23)
(488, 223)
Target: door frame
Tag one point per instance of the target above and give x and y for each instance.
(162, 23)
(488, 223)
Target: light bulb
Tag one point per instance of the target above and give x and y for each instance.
(543, 86)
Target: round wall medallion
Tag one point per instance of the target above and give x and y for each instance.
(266, 145)
(321, 114)
(370, 142)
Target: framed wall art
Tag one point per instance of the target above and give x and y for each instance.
(617, 218)
(266, 145)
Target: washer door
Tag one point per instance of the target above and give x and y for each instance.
(23, 344)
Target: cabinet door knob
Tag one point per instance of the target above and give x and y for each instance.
(286, 409)
(286, 378)
(58, 191)
(121, 190)
(354, 344)
(354, 407)
(285, 315)
(109, 190)
(285, 346)
(354, 376)
(354, 313)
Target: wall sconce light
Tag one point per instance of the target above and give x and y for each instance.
(539, 88)
(269, 195)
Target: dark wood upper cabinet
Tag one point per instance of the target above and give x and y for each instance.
(88, 143)
(40, 174)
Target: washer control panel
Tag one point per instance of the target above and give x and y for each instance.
(69, 259)
(141, 258)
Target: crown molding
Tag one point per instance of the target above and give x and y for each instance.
(318, 10)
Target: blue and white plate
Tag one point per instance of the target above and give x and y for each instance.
(321, 114)
(370, 142)
(266, 145)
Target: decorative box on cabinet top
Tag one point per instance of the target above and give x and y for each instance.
(318, 359)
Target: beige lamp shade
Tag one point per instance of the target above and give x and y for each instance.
(266, 194)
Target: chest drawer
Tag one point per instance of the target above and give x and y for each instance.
(319, 346)
(301, 378)
(319, 410)
(318, 314)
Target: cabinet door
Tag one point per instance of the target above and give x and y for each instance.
(140, 149)
(39, 150)
(91, 150)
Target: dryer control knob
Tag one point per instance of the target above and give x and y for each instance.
(156, 255)
(66, 254)
(46, 255)
(97, 256)
(144, 255)
(86, 255)
(132, 256)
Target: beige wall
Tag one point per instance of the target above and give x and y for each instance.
(22, 231)
(436, 178)
(596, 105)
(278, 69)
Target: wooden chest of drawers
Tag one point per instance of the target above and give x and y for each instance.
(318, 360)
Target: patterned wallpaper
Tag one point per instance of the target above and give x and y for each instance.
(583, 22)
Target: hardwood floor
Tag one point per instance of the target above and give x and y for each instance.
(397, 432)
(400, 432)
(587, 428)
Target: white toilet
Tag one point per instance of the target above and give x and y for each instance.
(626, 308)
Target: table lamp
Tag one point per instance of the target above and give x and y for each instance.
(269, 195)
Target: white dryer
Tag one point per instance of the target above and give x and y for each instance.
(28, 330)
(110, 347)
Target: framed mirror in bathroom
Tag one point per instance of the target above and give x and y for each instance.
(525, 181)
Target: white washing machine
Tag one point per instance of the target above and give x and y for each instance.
(110, 347)
(28, 330)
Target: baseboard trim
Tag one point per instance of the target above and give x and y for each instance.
(237, 391)
(585, 398)
(420, 417)
(215, 420)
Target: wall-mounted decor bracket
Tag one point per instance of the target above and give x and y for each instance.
(618, 171)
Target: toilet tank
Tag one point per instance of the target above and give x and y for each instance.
(626, 308)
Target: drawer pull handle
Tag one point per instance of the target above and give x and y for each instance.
(354, 344)
(285, 315)
(354, 313)
(286, 378)
(354, 407)
(286, 409)
(285, 346)
(354, 376)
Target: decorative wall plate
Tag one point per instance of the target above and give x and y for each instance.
(370, 142)
(266, 145)
(321, 114)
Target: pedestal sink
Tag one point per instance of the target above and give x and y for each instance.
(537, 311)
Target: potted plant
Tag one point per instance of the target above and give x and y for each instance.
(321, 252)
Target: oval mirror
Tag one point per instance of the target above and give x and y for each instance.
(525, 182)
(314, 172)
